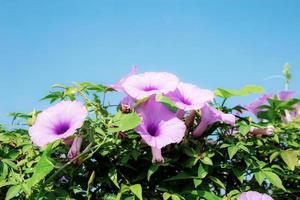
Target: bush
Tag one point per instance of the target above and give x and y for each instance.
(166, 140)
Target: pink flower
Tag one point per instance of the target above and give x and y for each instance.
(253, 195)
(159, 127)
(75, 148)
(291, 115)
(144, 85)
(58, 122)
(268, 130)
(254, 106)
(189, 97)
(286, 95)
(119, 85)
(210, 115)
(127, 104)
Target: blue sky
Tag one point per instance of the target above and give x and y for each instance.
(210, 43)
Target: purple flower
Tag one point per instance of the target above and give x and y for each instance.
(268, 130)
(127, 104)
(253, 195)
(75, 148)
(210, 115)
(119, 85)
(189, 97)
(58, 122)
(159, 127)
(144, 85)
(285, 95)
(291, 115)
(253, 107)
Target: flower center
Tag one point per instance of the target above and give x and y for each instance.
(61, 128)
(149, 88)
(186, 101)
(153, 130)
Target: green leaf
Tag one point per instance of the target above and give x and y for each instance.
(10, 163)
(124, 188)
(92, 86)
(58, 85)
(13, 191)
(124, 122)
(244, 148)
(207, 161)
(112, 174)
(4, 172)
(239, 174)
(252, 89)
(136, 190)
(166, 196)
(259, 177)
(43, 167)
(197, 182)
(232, 150)
(91, 179)
(167, 102)
(181, 176)
(226, 93)
(290, 157)
(53, 96)
(217, 181)
(244, 129)
(202, 171)
(175, 197)
(224, 146)
(273, 156)
(151, 171)
(274, 179)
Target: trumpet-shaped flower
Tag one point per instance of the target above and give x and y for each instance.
(75, 148)
(210, 115)
(119, 85)
(159, 127)
(127, 104)
(190, 97)
(290, 115)
(285, 95)
(253, 195)
(254, 106)
(58, 122)
(144, 85)
(268, 130)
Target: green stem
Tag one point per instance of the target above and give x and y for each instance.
(86, 150)
(223, 102)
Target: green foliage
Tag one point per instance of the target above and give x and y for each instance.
(248, 89)
(116, 164)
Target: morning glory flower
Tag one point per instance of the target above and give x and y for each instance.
(159, 127)
(253, 195)
(286, 95)
(189, 97)
(58, 122)
(268, 130)
(119, 85)
(253, 107)
(144, 85)
(75, 148)
(127, 104)
(209, 116)
(290, 115)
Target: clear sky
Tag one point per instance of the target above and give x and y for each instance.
(211, 43)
